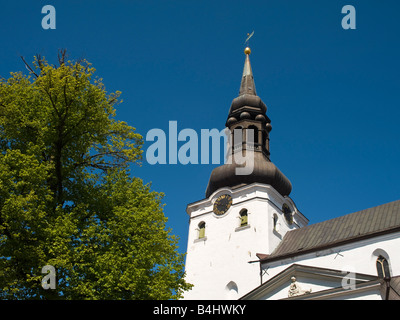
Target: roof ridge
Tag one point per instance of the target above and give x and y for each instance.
(349, 227)
(346, 215)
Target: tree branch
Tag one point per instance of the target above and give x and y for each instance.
(29, 67)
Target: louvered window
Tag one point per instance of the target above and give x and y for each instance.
(202, 230)
(243, 218)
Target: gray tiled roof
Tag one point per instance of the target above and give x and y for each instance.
(394, 293)
(351, 227)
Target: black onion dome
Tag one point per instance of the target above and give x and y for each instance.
(263, 172)
(250, 101)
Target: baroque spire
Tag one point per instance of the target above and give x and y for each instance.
(247, 85)
(247, 115)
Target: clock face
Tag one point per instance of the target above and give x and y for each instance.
(222, 204)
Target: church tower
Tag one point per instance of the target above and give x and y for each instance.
(245, 213)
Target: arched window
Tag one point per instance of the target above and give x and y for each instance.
(231, 290)
(202, 230)
(255, 129)
(382, 266)
(243, 218)
(287, 213)
(264, 139)
(275, 219)
(237, 136)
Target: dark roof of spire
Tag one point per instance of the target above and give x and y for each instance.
(247, 85)
(263, 172)
(249, 108)
(247, 99)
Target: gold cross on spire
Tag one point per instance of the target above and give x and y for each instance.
(249, 35)
(247, 49)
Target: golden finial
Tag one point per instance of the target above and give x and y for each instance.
(247, 50)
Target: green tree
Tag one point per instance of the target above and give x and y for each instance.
(67, 198)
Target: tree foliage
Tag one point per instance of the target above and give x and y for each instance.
(67, 198)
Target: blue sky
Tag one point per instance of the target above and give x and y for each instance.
(332, 94)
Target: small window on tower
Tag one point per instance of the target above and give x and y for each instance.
(255, 134)
(287, 213)
(243, 218)
(275, 219)
(202, 230)
(237, 136)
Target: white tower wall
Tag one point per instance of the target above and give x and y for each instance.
(218, 264)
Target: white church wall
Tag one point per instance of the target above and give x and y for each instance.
(218, 264)
(357, 257)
